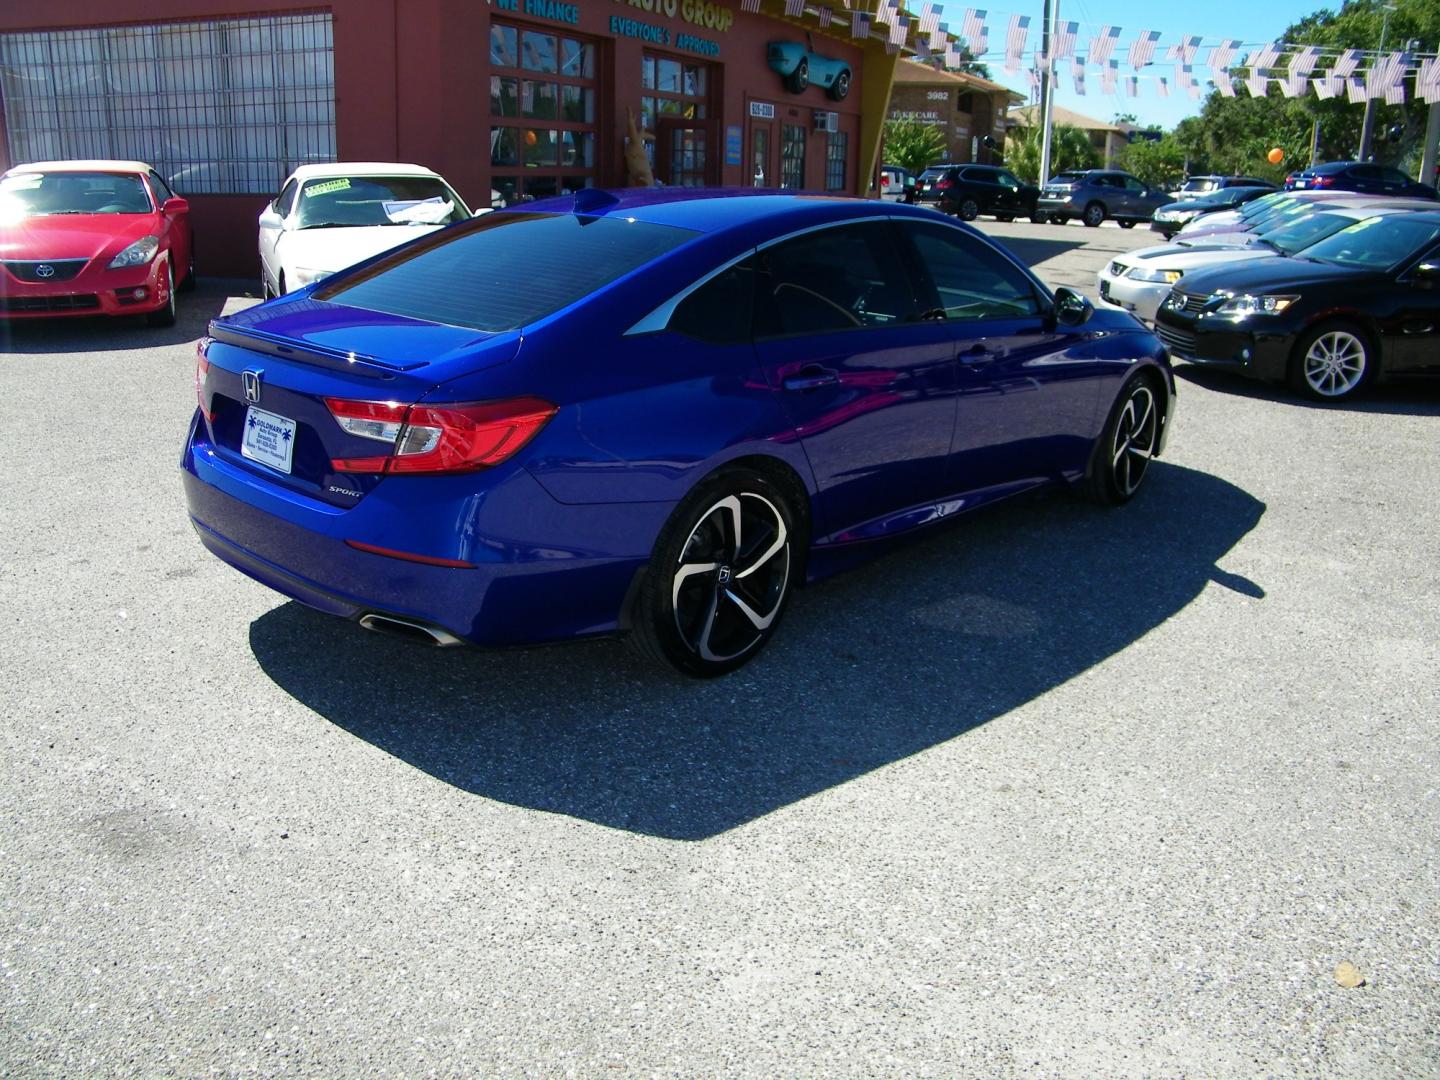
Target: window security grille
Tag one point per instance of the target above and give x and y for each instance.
(221, 106)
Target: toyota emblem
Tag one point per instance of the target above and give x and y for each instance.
(44, 270)
(252, 385)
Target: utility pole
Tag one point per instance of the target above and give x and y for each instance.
(1047, 89)
(1315, 143)
(1368, 126)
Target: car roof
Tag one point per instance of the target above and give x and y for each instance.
(710, 210)
(91, 165)
(333, 169)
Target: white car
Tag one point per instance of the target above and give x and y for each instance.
(328, 217)
(1138, 281)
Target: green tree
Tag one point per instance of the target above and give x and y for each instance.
(1069, 149)
(914, 145)
(1158, 162)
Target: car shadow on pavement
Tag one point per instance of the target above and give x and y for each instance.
(1401, 397)
(193, 312)
(924, 645)
(1032, 252)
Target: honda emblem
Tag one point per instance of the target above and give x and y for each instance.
(252, 385)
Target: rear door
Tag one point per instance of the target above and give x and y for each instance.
(867, 382)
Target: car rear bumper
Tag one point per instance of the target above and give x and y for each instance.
(95, 290)
(534, 569)
(1057, 207)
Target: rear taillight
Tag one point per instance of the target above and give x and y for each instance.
(1322, 181)
(942, 184)
(202, 372)
(439, 438)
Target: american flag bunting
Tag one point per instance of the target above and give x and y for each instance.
(1427, 81)
(1108, 73)
(1078, 70)
(930, 18)
(794, 8)
(1062, 45)
(1346, 65)
(974, 32)
(1015, 41)
(1142, 49)
(1102, 45)
(824, 14)
(860, 24)
(1185, 50)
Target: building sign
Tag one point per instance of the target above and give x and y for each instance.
(552, 10)
(927, 116)
(660, 35)
(762, 110)
(699, 13)
(732, 145)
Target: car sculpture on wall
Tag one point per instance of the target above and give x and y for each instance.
(327, 217)
(723, 397)
(801, 66)
(92, 238)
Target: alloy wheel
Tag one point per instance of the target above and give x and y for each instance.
(1335, 363)
(730, 581)
(1137, 431)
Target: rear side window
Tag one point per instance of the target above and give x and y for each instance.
(847, 277)
(502, 271)
(719, 311)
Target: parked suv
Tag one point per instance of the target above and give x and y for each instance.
(928, 187)
(969, 190)
(1362, 176)
(1096, 194)
(1198, 187)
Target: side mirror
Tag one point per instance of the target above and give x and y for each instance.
(1071, 309)
(176, 205)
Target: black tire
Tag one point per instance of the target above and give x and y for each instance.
(799, 79)
(188, 284)
(166, 315)
(1332, 362)
(1005, 218)
(1037, 218)
(1126, 224)
(280, 283)
(1057, 219)
(1128, 443)
(968, 210)
(1094, 215)
(841, 86)
(691, 613)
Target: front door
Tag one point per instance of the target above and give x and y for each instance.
(792, 156)
(1414, 332)
(762, 169)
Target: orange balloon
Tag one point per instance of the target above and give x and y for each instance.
(1275, 156)
(531, 139)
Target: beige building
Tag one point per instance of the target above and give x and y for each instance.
(966, 107)
(1107, 139)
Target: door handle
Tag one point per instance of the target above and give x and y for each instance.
(812, 377)
(976, 354)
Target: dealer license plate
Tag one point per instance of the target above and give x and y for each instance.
(269, 439)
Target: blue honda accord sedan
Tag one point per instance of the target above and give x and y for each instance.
(646, 411)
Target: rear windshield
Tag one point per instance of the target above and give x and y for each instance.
(1266, 203)
(1067, 178)
(502, 271)
(1203, 183)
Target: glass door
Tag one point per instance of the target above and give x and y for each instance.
(792, 156)
(761, 172)
(682, 157)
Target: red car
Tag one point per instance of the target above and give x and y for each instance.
(92, 238)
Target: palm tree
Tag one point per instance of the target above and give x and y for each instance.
(1069, 149)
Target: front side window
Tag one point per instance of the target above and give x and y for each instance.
(43, 194)
(971, 279)
(847, 277)
(468, 276)
(159, 187)
(378, 200)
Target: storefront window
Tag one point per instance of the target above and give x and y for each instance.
(677, 88)
(792, 156)
(542, 114)
(835, 161)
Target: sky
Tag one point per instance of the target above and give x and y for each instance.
(1252, 22)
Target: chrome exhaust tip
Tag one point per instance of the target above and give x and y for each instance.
(410, 630)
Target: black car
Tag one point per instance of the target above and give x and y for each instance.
(970, 190)
(1362, 176)
(1172, 217)
(1092, 195)
(1363, 304)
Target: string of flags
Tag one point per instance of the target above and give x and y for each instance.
(1295, 69)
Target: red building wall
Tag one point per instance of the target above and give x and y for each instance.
(412, 84)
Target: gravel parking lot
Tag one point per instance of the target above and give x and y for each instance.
(1054, 792)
